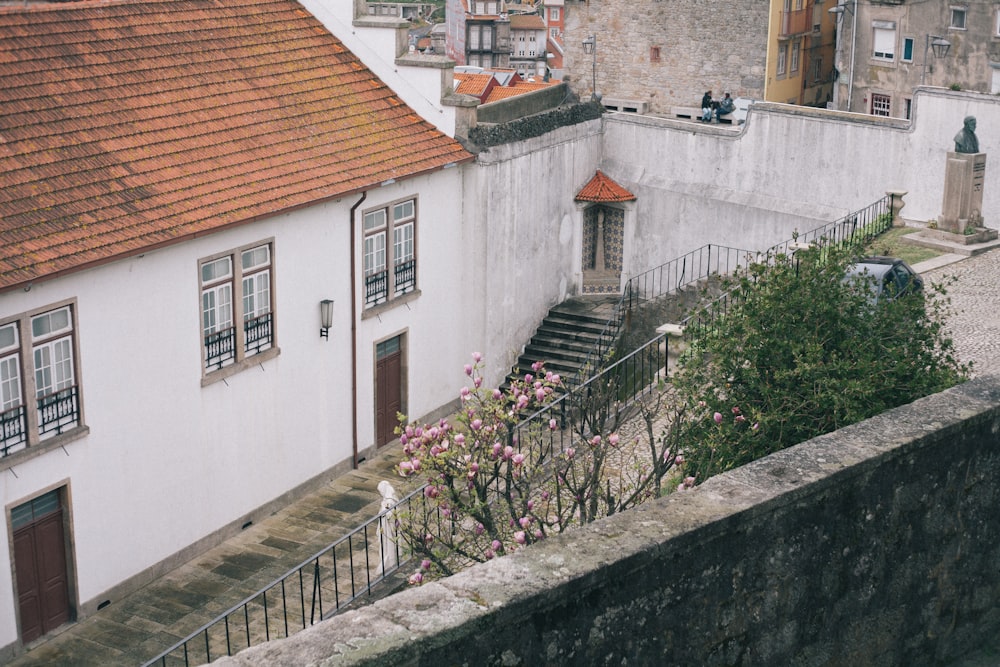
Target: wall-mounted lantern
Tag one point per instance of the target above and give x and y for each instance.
(325, 318)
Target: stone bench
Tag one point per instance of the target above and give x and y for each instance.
(627, 106)
(694, 113)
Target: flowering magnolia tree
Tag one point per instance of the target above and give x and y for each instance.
(519, 464)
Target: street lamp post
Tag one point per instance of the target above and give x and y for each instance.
(838, 12)
(590, 47)
(939, 45)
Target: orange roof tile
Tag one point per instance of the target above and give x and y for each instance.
(526, 22)
(130, 125)
(602, 189)
(472, 84)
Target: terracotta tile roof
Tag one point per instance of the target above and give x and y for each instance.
(472, 84)
(129, 125)
(526, 22)
(519, 88)
(603, 189)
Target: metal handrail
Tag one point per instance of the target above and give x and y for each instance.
(618, 385)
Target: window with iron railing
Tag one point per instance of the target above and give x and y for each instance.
(390, 272)
(223, 342)
(38, 357)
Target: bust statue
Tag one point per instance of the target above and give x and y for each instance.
(966, 140)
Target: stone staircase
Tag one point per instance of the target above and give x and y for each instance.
(571, 329)
(568, 333)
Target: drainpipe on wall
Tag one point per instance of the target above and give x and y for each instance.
(354, 338)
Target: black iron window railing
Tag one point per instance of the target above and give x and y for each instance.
(406, 276)
(58, 411)
(13, 430)
(376, 287)
(220, 348)
(257, 334)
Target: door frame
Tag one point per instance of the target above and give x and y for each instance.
(73, 597)
(403, 380)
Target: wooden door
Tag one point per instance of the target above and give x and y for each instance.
(388, 388)
(40, 564)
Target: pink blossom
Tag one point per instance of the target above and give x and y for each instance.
(497, 394)
(522, 401)
(473, 467)
(415, 464)
(537, 366)
(479, 529)
(552, 424)
(717, 417)
(539, 394)
(434, 432)
(545, 495)
(496, 545)
(489, 554)
(508, 453)
(446, 513)
(740, 418)
(435, 450)
(525, 521)
(517, 459)
(425, 564)
(477, 357)
(531, 505)
(689, 481)
(666, 454)
(570, 452)
(476, 424)
(555, 379)
(431, 491)
(497, 448)
(679, 459)
(459, 439)
(528, 378)
(478, 382)
(520, 537)
(736, 409)
(468, 369)
(428, 539)
(595, 441)
(755, 426)
(416, 578)
(613, 439)
(539, 534)
(464, 393)
(409, 431)
(405, 469)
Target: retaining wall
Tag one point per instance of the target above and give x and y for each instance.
(874, 545)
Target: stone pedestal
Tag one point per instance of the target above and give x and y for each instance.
(962, 207)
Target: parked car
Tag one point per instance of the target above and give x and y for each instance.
(889, 277)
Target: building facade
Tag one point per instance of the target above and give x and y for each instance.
(800, 52)
(886, 50)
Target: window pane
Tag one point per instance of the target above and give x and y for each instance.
(374, 253)
(217, 308)
(10, 382)
(43, 371)
(49, 323)
(62, 353)
(908, 49)
(375, 219)
(8, 337)
(214, 270)
(256, 294)
(403, 243)
(402, 211)
(958, 18)
(885, 43)
(256, 257)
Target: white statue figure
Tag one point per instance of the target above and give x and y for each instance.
(387, 527)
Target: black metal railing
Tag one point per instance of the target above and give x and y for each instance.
(58, 411)
(405, 276)
(349, 568)
(315, 590)
(220, 348)
(688, 269)
(13, 430)
(257, 334)
(376, 287)
(853, 231)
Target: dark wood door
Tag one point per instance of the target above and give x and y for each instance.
(388, 389)
(40, 564)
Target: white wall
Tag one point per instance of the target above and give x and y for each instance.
(168, 461)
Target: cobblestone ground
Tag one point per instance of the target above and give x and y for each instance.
(975, 302)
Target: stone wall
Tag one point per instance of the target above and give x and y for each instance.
(874, 545)
(710, 44)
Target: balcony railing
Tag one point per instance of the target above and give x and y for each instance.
(220, 348)
(376, 287)
(406, 276)
(13, 430)
(58, 411)
(257, 334)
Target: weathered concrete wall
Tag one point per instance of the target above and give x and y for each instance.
(874, 545)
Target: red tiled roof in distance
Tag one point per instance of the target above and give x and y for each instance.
(602, 189)
(131, 125)
(526, 22)
(472, 84)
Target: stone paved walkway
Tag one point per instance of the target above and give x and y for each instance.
(136, 628)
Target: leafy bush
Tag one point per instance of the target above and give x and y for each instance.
(801, 352)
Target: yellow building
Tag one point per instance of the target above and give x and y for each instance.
(800, 52)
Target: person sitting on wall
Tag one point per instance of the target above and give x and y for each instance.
(726, 105)
(706, 107)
